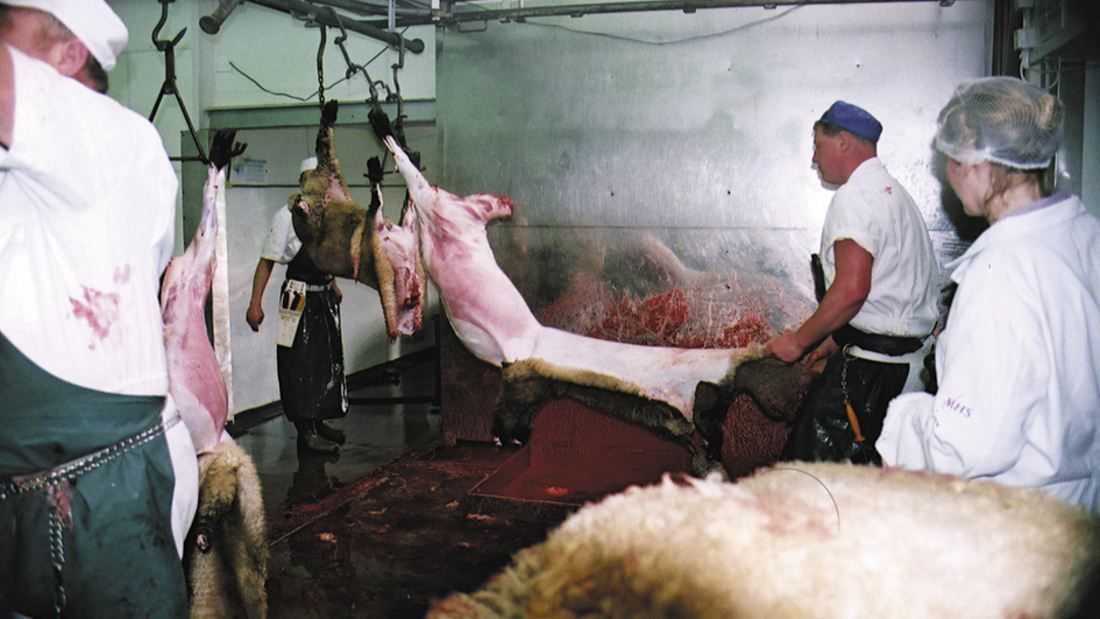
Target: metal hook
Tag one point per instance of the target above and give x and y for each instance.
(168, 87)
(161, 44)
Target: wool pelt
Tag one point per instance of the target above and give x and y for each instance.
(803, 540)
(225, 557)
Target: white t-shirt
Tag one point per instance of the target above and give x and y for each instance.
(876, 212)
(87, 217)
(1018, 364)
(281, 244)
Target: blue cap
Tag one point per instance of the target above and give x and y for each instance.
(854, 120)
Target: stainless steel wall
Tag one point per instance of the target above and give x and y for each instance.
(664, 157)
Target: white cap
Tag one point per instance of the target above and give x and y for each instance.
(309, 163)
(92, 21)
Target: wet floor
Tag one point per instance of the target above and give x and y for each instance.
(379, 530)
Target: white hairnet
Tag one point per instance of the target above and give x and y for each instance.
(1001, 119)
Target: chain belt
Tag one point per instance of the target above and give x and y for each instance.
(55, 480)
(72, 469)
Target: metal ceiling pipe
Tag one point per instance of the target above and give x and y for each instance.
(450, 16)
(369, 8)
(326, 16)
(212, 23)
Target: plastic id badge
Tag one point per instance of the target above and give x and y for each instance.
(291, 303)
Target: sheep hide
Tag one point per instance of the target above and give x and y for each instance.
(225, 557)
(803, 540)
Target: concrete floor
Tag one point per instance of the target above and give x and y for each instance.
(377, 434)
(383, 528)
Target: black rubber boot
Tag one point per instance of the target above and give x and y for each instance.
(335, 435)
(309, 439)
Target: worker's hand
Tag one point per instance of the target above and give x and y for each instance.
(254, 316)
(339, 293)
(785, 347)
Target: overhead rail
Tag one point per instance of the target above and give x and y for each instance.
(453, 12)
(321, 15)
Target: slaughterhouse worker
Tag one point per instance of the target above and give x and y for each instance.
(93, 457)
(878, 288)
(310, 351)
(1018, 362)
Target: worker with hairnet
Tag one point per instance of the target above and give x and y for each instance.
(1019, 360)
(98, 479)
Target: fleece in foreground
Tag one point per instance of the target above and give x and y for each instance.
(804, 540)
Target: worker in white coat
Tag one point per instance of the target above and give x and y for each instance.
(98, 477)
(1019, 360)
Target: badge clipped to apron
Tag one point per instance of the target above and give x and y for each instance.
(291, 303)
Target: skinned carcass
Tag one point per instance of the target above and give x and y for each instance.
(802, 541)
(225, 554)
(194, 378)
(348, 241)
(493, 321)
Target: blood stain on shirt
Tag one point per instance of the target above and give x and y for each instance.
(122, 274)
(99, 309)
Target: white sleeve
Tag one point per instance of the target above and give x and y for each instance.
(903, 439)
(992, 381)
(281, 244)
(851, 216)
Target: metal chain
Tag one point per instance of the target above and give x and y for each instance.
(848, 400)
(57, 549)
(75, 468)
(400, 64)
(321, 66)
(57, 481)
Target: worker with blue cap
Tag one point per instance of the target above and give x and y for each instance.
(877, 284)
(98, 477)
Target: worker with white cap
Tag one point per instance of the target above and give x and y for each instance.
(309, 351)
(98, 479)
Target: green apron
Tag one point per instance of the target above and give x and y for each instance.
(117, 554)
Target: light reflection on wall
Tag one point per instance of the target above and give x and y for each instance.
(659, 154)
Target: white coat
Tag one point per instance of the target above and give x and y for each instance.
(1018, 363)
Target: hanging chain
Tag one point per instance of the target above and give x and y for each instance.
(853, 419)
(321, 66)
(352, 67)
(57, 545)
(397, 84)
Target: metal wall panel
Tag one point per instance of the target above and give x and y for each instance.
(662, 151)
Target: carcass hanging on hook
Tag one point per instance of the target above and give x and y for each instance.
(348, 241)
(194, 376)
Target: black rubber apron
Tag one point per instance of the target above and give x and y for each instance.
(824, 431)
(119, 556)
(311, 372)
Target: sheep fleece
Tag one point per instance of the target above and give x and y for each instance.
(803, 540)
